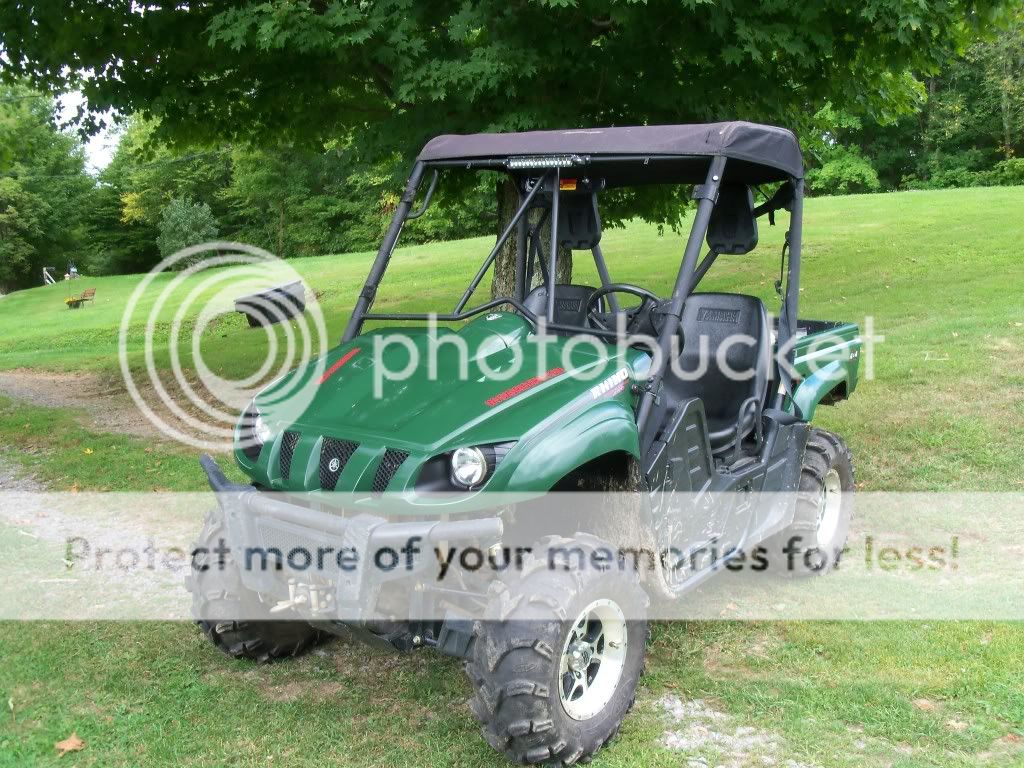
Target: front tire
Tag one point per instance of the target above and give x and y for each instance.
(557, 660)
(224, 608)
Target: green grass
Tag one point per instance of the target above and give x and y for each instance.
(158, 694)
(941, 274)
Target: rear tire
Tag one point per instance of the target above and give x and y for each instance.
(813, 543)
(539, 655)
(223, 606)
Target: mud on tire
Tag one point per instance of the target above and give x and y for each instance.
(222, 606)
(813, 543)
(518, 648)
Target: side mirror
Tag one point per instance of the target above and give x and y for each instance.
(781, 200)
(579, 226)
(733, 226)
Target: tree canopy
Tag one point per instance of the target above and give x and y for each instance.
(393, 73)
(291, 119)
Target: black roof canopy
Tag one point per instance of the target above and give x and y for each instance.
(759, 153)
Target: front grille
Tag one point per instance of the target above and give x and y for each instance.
(288, 442)
(387, 468)
(332, 449)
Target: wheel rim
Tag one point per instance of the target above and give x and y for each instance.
(829, 507)
(592, 660)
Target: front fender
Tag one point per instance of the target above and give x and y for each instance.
(555, 449)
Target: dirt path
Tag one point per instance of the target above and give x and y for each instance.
(106, 404)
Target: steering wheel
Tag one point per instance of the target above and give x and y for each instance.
(632, 315)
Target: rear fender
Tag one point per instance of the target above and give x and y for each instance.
(554, 449)
(815, 388)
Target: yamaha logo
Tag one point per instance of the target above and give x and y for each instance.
(334, 465)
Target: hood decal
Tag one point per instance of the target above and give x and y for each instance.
(334, 368)
(522, 386)
(612, 385)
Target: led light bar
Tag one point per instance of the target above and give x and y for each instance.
(544, 161)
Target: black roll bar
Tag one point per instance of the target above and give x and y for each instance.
(553, 258)
(791, 301)
(707, 195)
(522, 256)
(426, 199)
(387, 247)
(454, 317)
(519, 215)
(704, 266)
(599, 262)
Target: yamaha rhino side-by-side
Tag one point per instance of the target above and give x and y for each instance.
(554, 654)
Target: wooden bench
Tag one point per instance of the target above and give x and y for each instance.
(74, 302)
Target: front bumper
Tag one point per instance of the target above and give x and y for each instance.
(279, 543)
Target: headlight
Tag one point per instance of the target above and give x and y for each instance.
(254, 432)
(469, 467)
(260, 430)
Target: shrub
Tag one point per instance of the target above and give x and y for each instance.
(184, 223)
(1009, 173)
(958, 178)
(844, 172)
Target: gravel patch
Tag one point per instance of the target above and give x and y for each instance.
(93, 555)
(713, 738)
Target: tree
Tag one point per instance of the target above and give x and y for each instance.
(1001, 65)
(972, 117)
(183, 224)
(21, 217)
(46, 189)
(392, 73)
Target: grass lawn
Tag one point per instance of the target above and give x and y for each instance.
(940, 273)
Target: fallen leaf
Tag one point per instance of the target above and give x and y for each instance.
(71, 744)
(1012, 738)
(87, 451)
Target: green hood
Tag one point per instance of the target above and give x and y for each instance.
(489, 382)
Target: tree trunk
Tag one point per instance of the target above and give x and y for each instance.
(503, 283)
(280, 231)
(1005, 84)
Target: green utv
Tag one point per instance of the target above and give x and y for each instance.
(373, 464)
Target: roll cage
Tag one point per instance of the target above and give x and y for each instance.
(717, 159)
